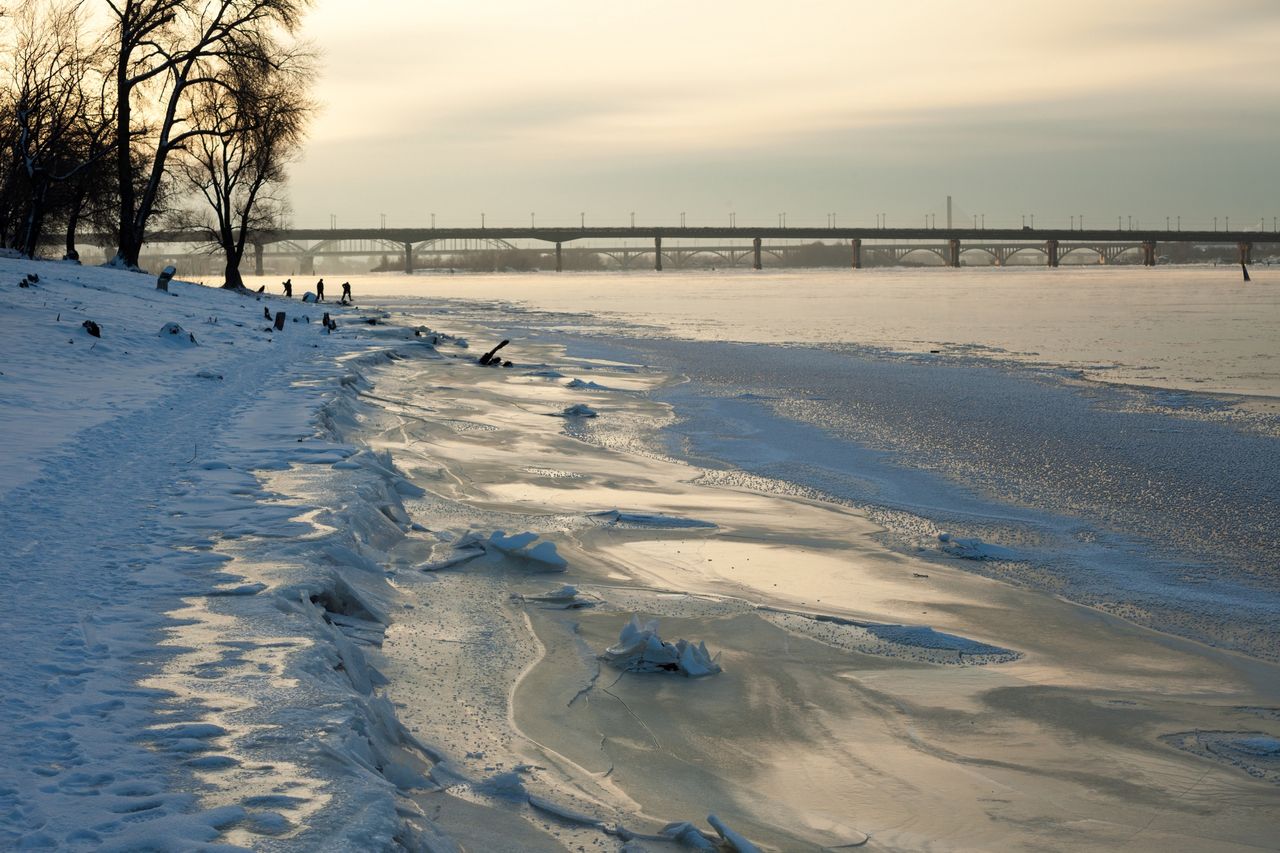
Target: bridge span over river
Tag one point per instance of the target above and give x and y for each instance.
(676, 246)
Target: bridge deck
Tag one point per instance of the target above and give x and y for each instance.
(565, 235)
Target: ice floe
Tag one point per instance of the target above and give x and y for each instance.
(641, 649)
(577, 410)
(587, 385)
(542, 556)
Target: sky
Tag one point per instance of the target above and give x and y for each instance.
(561, 109)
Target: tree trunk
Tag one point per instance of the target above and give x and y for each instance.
(35, 221)
(73, 219)
(233, 281)
(129, 245)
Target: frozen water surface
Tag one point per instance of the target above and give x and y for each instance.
(968, 402)
(1187, 328)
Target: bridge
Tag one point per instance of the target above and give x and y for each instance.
(726, 245)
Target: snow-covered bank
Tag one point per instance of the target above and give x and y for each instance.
(190, 668)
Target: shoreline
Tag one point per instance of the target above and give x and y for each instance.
(1071, 319)
(553, 497)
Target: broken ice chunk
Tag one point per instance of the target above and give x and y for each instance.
(543, 554)
(500, 540)
(578, 410)
(564, 598)
(641, 649)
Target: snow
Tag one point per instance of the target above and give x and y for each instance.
(174, 333)
(159, 654)
(199, 582)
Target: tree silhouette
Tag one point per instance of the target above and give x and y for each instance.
(169, 57)
(250, 130)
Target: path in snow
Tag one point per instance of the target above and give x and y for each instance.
(92, 565)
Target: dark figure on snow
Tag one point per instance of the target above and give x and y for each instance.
(288, 287)
(320, 290)
(346, 293)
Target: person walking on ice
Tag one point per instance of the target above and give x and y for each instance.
(320, 290)
(346, 294)
(288, 287)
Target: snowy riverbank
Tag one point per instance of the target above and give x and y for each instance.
(176, 676)
(290, 590)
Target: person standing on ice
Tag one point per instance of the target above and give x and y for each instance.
(346, 293)
(288, 287)
(320, 290)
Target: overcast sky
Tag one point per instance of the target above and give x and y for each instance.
(1100, 108)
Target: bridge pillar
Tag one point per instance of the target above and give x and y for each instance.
(408, 258)
(1148, 253)
(1051, 249)
(953, 259)
(559, 259)
(657, 253)
(856, 245)
(1246, 253)
(755, 254)
(257, 259)
(307, 265)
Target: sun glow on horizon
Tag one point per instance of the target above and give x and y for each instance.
(507, 103)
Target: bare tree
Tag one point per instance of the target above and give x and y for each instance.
(169, 55)
(251, 129)
(56, 119)
(91, 192)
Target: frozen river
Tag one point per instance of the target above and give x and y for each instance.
(1113, 429)
(1197, 328)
